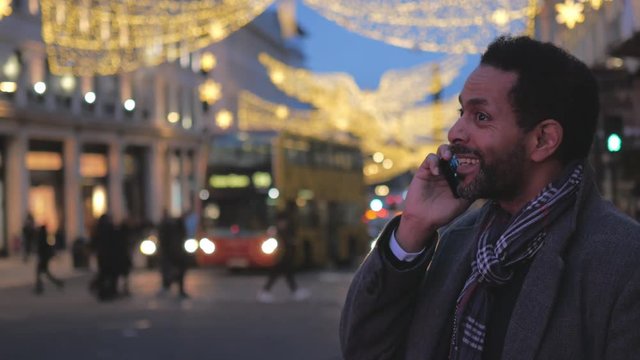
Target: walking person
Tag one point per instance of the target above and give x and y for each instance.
(104, 244)
(123, 262)
(285, 233)
(174, 260)
(546, 269)
(29, 233)
(45, 253)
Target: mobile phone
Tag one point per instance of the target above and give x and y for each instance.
(448, 170)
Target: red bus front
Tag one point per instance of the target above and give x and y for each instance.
(236, 248)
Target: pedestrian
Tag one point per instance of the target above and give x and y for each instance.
(104, 284)
(28, 236)
(545, 269)
(285, 266)
(123, 248)
(45, 253)
(174, 260)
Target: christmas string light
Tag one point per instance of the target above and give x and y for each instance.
(451, 26)
(419, 131)
(364, 113)
(87, 37)
(5, 8)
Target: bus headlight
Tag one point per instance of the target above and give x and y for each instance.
(269, 246)
(190, 246)
(148, 247)
(207, 246)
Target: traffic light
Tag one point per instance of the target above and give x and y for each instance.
(613, 133)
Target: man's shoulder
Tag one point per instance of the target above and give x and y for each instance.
(606, 237)
(602, 219)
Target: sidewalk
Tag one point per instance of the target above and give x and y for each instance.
(15, 272)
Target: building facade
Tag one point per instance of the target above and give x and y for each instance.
(131, 145)
(604, 40)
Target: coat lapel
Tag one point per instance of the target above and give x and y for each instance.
(537, 297)
(540, 289)
(445, 278)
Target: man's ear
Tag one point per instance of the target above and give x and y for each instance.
(545, 139)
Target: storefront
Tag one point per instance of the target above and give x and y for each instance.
(136, 171)
(44, 162)
(93, 171)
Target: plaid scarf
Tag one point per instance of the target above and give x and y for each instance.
(493, 265)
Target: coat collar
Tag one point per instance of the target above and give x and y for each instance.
(540, 288)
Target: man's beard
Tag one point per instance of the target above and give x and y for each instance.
(501, 179)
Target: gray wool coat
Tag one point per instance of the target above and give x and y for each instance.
(579, 300)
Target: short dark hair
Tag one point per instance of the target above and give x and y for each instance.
(551, 84)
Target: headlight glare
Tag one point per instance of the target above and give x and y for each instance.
(269, 246)
(190, 246)
(207, 246)
(148, 247)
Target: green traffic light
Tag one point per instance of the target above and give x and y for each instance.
(614, 143)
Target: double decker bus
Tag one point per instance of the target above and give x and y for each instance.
(252, 177)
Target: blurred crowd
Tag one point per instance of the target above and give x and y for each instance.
(113, 246)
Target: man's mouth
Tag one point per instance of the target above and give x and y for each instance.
(467, 165)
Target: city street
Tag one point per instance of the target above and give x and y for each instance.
(221, 320)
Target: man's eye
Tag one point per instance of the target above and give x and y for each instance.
(482, 116)
(460, 112)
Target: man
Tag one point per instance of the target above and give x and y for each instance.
(174, 261)
(545, 269)
(28, 236)
(285, 231)
(45, 253)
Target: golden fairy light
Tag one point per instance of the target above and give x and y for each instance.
(257, 114)
(282, 112)
(384, 158)
(570, 13)
(224, 119)
(596, 4)
(106, 37)
(452, 26)
(392, 120)
(208, 61)
(372, 115)
(5, 8)
(210, 91)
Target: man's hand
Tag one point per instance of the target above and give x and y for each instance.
(429, 205)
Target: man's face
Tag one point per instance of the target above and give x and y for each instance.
(486, 138)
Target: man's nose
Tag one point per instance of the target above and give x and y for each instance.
(457, 133)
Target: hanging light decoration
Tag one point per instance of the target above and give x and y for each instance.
(571, 12)
(257, 114)
(106, 37)
(5, 8)
(208, 61)
(224, 119)
(210, 92)
(371, 115)
(391, 117)
(452, 26)
(418, 132)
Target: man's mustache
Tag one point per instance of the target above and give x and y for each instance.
(458, 149)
